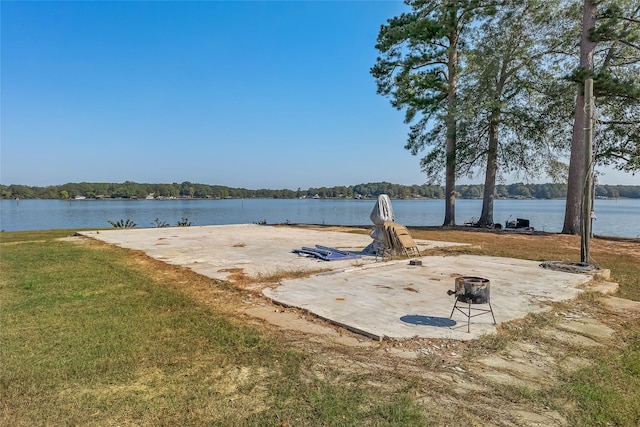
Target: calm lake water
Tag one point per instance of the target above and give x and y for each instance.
(614, 217)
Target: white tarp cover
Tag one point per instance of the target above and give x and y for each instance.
(381, 213)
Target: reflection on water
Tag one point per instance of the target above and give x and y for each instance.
(614, 217)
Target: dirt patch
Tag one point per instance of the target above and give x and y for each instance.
(630, 247)
(296, 320)
(236, 275)
(623, 306)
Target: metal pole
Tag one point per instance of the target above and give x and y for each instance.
(587, 201)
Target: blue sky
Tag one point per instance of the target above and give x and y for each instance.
(266, 94)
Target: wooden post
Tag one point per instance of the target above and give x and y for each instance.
(587, 191)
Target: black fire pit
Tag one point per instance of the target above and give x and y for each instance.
(472, 291)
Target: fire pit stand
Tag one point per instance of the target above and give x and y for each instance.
(471, 291)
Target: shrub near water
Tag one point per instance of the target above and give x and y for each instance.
(87, 339)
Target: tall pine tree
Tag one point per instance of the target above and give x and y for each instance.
(418, 71)
(505, 119)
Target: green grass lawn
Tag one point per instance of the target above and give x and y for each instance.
(88, 340)
(87, 337)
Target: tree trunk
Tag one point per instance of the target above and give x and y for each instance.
(486, 218)
(577, 170)
(450, 181)
(576, 181)
(450, 149)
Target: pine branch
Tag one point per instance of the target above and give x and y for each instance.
(632, 45)
(427, 64)
(631, 20)
(617, 122)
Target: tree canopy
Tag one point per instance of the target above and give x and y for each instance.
(609, 53)
(418, 69)
(493, 84)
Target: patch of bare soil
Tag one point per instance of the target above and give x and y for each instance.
(493, 377)
(486, 382)
(630, 247)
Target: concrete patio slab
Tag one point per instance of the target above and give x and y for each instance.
(260, 251)
(380, 299)
(403, 301)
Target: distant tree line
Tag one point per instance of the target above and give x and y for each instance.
(188, 190)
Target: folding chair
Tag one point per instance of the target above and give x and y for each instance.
(400, 239)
